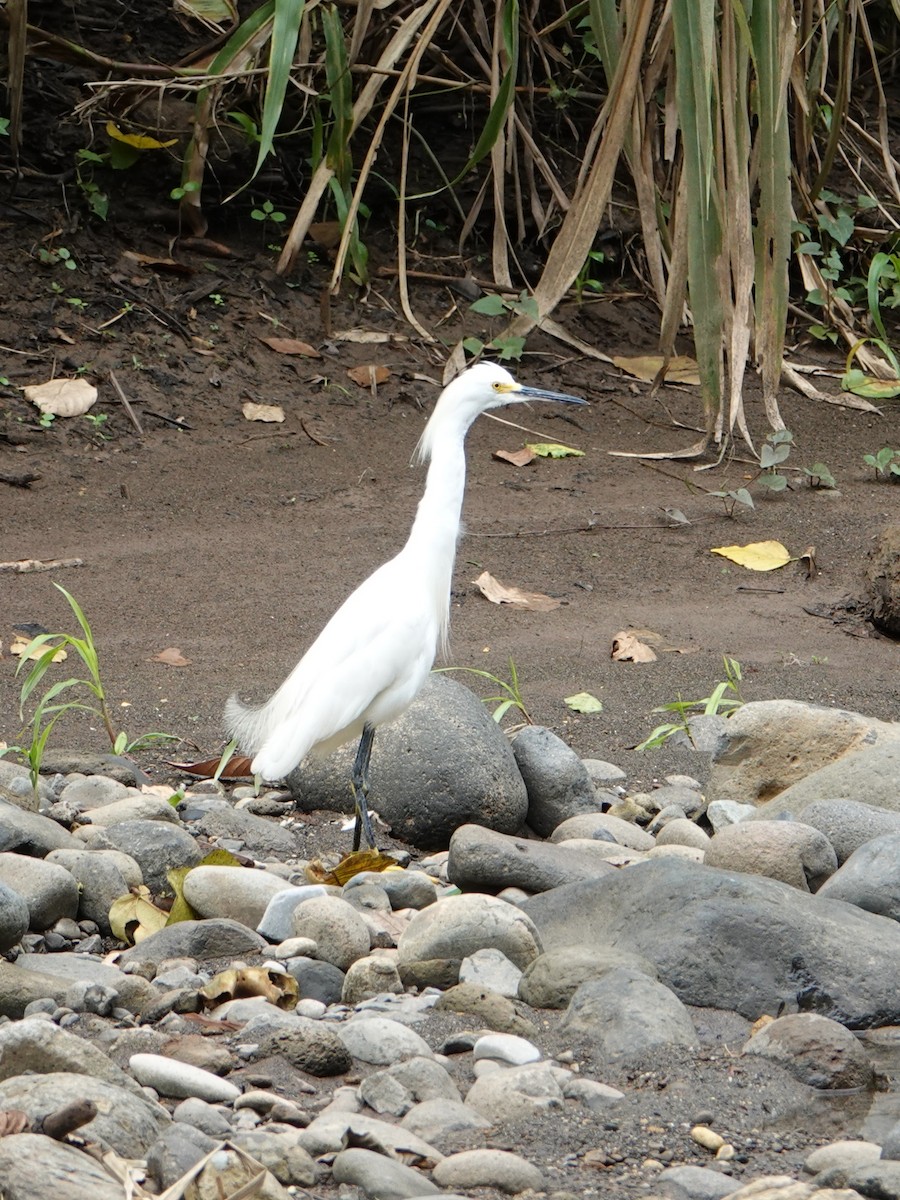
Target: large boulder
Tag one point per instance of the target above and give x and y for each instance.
(730, 941)
(444, 763)
(770, 745)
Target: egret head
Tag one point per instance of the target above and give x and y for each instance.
(474, 391)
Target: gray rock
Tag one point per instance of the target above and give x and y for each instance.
(486, 861)
(878, 1179)
(507, 1097)
(787, 850)
(552, 979)
(405, 889)
(260, 836)
(890, 1142)
(625, 1015)
(488, 1168)
(30, 833)
(558, 784)
(128, 1122)
(317, 980)
(380, 1178)
(340, 933)
(169, 1077)
(505, 1048)
(385, 1094)
(331, 1131)
(380, 1041)
(740, 942)
(213, 938)
(369, 977)
(92, 791)
(603, 774)
(849, 824)
(722, 813)
(817, 1051)
(176, 1150)
(14, 917)
(49, 891)
(843, 1155)
(156, 846)
(443, 1122)
(868, 776)
(597, 1097)
(277, 921)
(36, 1047)
(205, 1117)
(771, 745)
(425, 1079)
(681, 797)
(38, 976)
(870, 878)
(603, 827)
(134, 806)
(694, 1183)
(442, 764)
(438, 938)
(236, 892)
(309, 1045)
(492, 970)
(280, 1152)
(683, 833)
(33, 1167)
(99, 880)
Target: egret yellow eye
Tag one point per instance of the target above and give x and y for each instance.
(497, 385)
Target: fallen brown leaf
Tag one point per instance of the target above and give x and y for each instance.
(235, 983)
(680, 368)
(518, 458)
(62, 397)
(326, 234)
(291, 346)
(501, 593)
(370, 375)
(262, 412)
(156, 263)
(171, 656)
(807, 561)
(628, 648)
(238, 767)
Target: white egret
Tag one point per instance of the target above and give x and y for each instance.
(368, 663)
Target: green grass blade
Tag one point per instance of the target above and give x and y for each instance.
(285, 32)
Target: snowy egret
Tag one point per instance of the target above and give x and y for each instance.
(368, 663)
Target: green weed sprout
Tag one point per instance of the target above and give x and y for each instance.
(49, 708)
(510, 693)
(717, 702)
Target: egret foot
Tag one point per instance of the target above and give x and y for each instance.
(360, 784)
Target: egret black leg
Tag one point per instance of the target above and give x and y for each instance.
(360, 779)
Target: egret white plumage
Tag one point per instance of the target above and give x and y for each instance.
(369, 662)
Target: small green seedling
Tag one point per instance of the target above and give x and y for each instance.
(734, 500)
(584, 281)
(90, 690)
(510, 693)
(886, 463)
(508, 346)
(719, 702)
(776, 450)
(268, 212)
(46, 420)
(52, 258)
(819, 476)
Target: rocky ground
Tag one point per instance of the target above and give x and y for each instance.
(596, 991)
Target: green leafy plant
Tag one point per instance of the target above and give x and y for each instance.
(184, 189)
(584, 280)
(90, 690)
(268, 212)
(97, 421)
(96, 200)
(46, 420)
(510, 694)
(724, 699)
(773, 453)
(734, 500)
(886, 463)
(508, 346)
(53, 257)
(819, 476)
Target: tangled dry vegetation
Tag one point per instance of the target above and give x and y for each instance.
(739, 150)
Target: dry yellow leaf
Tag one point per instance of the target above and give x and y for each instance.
(19, 645)
(627, 647)
(756, 556)
(62, 397)
(369, 375)
(681, 368)
(262, 412)
(501, 593)
(137, 141)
